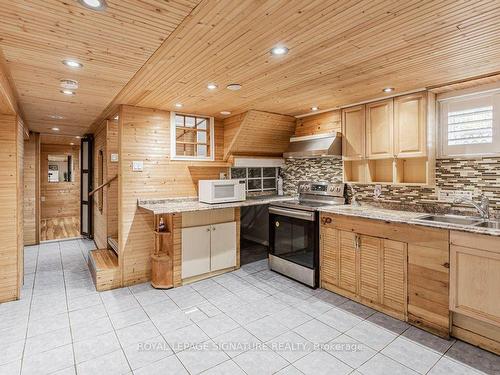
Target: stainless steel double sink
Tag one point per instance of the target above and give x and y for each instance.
(461, 220)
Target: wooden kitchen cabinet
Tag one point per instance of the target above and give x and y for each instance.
(368, 269)
(379, 129)
(394, 280)
(348, 275)
(475, 276)
(410, 125)
(475, 289)
(353, 133)
(329, 255)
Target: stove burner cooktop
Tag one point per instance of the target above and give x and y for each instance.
(313, 195)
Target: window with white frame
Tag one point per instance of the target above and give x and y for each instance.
(470, 125)
(256, 178)
(192, 137)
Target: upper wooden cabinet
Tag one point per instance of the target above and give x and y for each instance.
(410, 125)
(353, 132)
(379, 129)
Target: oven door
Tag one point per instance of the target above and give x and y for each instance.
(294, 243)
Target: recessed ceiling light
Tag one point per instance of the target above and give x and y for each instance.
(233, 86)
(93, 4)
(178, 105)
(225, 113)
(67, 92)
(78, 137)
(279, 51)
(388, 89)
(212, 86)
(69, 84)
(314, 108)
(72, 64)
(71, 143)
(56, 117)
(55, 129)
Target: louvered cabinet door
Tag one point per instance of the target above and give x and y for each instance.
(370, 268)
(347, 267)
(394, 288)
(329, 255)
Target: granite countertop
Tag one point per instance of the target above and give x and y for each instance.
(405, 217)
(190, 204)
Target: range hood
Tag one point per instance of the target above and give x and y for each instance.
(321, 145)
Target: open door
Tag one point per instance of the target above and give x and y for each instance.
(86, 202)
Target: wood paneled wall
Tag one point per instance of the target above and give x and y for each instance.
(19, 202)
(112, 170)
(11, 212)
(31, 209)
(106, 222)
(326, 122)
(257, 133)
(61, 199)
(144, 135)
(100, 218)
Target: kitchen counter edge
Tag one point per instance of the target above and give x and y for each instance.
(402, 217)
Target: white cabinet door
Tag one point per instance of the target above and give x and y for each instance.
(195, 251)
(223, 244)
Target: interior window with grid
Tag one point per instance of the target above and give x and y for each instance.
(193, 137)
(257, 179)
(470, 125)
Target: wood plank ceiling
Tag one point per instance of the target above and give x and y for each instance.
(36, 35)
(340, 52)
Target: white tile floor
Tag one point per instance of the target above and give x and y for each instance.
(251, 321)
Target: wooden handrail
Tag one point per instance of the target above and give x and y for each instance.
(105, 184)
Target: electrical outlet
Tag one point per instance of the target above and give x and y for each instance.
(137, 166)
(114, 158)
(452, 195)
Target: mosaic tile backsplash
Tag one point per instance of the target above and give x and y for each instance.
(479, 175)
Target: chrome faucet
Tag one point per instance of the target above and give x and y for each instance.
(483, 208)
(354, 199)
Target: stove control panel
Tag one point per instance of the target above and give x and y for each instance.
(321, 188)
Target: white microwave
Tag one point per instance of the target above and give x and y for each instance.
(221, 191)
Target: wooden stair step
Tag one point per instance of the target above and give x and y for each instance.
(113, 243)
(103, 265)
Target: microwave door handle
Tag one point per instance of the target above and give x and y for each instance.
(309, 216)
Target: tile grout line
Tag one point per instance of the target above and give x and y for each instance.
(30, 305)
(67, 309)
(161, 334)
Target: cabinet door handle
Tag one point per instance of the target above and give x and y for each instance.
(213, 228)
(208, 229)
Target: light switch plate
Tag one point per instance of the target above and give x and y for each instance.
(137, 166)
(114, 158)
(452, 195)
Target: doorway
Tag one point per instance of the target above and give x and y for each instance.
(59, 188)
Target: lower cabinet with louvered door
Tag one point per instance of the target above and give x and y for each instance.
(367, 269)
